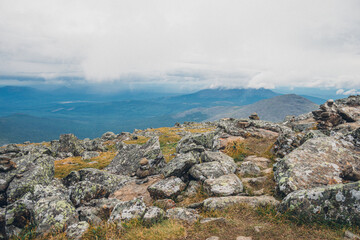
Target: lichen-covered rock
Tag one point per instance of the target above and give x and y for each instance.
(53, 213)
(31, 170)
(166, 188)
(337, 203)
(192, 189)
(76, 230)
(312, 134)
(85, 191)
(183, 214)
(318, 162)
(226, 161)
(2, 223)
(216, 203)
(18, 215)
(108, 136)
(153, 215)
(97, 210)
(196, 142)
(87, 155)
(179, 165)
(111, 181)
(208, 170)
(223, 186)
(127, 161)
(54, 189)
(69, 143)
(249, 169)
(94, 145)
(125, 211)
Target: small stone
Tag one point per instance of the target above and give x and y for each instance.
(153, 215)
(249, 168)
(349, 235)
(223, 186)
(166, 188)
(243, 238)
(213, 238)
(254, 116)
(144, 161)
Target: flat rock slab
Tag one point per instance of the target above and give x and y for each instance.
(261, 162)
(226, 185)
(166, 188)
(133, 190)
(318, 162)
(223, 202)
(179, 165)
(338, 203)
(183, 214)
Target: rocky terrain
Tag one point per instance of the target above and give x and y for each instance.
(191, 174)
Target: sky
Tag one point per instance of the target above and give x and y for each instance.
(183, 44)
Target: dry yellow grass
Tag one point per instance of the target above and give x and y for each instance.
(65, 166)
(140, 140)
(240, 149)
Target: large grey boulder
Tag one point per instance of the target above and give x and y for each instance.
(108, 136)
(18, 215)
(214, 165)
(54, 214)
(337, 203)
(318, 162)
(112, 182)
(216, 203)
(69, 143)
(127, 161)
(166, 188)
(85, 191)
(179, 165)
(97, 210)
(183, 214)
(223, 186)
(125, 211)
(32, 169)
(196, 143)
(153, 215)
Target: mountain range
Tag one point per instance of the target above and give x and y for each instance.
(28, 114)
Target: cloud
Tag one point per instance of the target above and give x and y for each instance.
(204, 43)
(348, 92)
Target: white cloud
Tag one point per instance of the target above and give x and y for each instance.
(347, 92)
(232, 43)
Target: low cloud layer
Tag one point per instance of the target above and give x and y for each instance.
(310, 43)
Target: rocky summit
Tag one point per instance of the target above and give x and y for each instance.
(190, 178)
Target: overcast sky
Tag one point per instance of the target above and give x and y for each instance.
(200, 43)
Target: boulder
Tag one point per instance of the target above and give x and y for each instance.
(2, 223)
(136, 189)
(18, 215)
(31, 170)
(97, 210)
(125, 211)
(216, 203)
(192, 189)
(87, 155)
(112, 182)
(223, 186)
(318, 162)
(108, 136)
(183, 214)
(249, 169)
(254, 116)
(167, 188)
(337, 203)
(69, 143)
(153, 215)
(127, 161)
(196, 143)
(76, 230)
(214, 165)
(180, 165)
(54, 214)
(85, 191)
